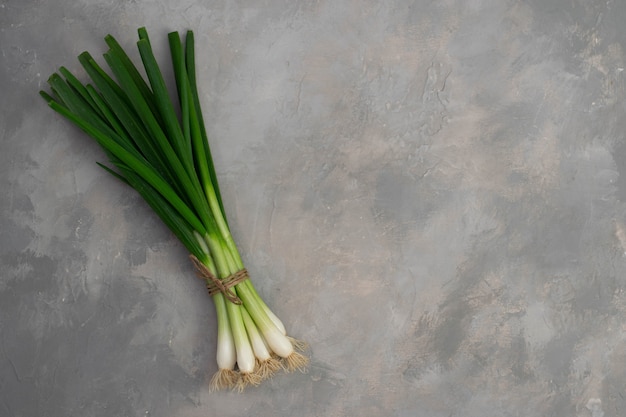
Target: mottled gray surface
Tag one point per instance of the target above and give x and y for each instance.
(431, 193)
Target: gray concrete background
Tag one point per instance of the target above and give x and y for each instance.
(431, 193)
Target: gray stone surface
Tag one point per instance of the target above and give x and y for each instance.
(431, 193)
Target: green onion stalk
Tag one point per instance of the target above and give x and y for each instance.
(159, 147)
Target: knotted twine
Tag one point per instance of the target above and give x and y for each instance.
(215, 285)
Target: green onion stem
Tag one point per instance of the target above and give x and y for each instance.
(164, 154)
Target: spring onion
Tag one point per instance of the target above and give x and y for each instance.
(159, 147)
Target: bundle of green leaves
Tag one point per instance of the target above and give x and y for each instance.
(160, 148)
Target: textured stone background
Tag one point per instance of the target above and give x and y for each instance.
(432, 193)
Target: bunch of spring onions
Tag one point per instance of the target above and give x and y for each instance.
(159, 147)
